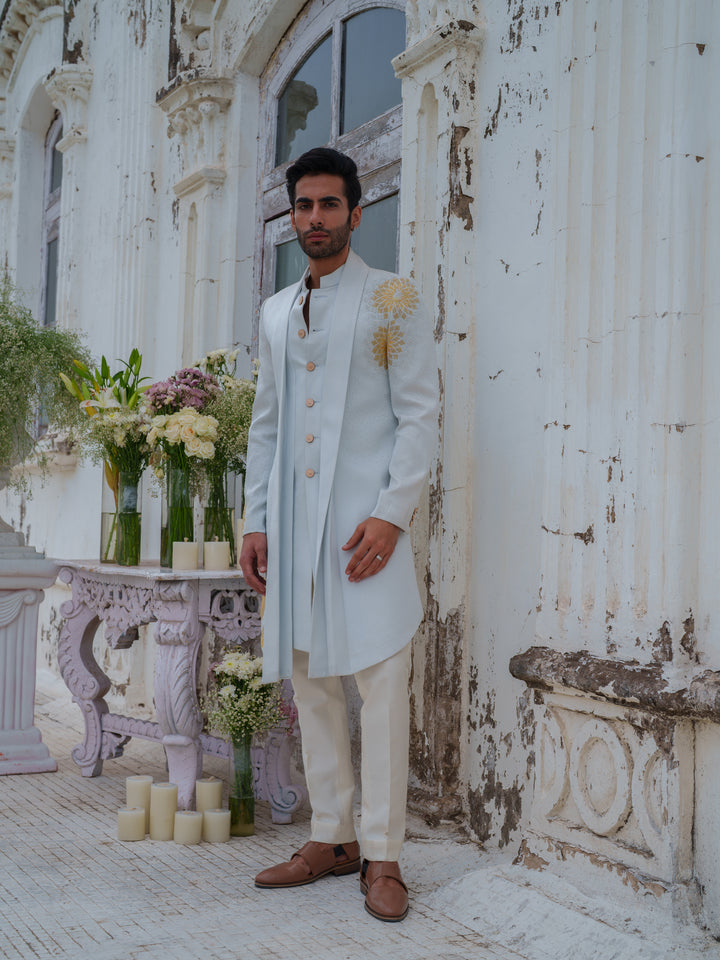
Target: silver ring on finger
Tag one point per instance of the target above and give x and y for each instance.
(378, 557)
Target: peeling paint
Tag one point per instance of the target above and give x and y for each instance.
(74, 53)
(505, 800)
(621, 681)
(662, 648)
(564, 851)
(460, 174)
(435, 735)
(688, 641)
(526, 858)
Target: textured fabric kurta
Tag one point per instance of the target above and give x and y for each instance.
(305, 374)
(378, 427)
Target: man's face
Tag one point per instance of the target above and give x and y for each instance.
(321, 218)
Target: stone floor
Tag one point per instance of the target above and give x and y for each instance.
(69, 889)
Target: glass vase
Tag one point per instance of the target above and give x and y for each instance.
(109, 514)
(219, 515)
(177, 521)
(241, 799)
(128, 519)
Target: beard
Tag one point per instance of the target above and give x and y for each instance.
(335, 241)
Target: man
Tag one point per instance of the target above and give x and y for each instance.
(343, 429)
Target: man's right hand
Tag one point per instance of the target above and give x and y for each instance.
(253, 561)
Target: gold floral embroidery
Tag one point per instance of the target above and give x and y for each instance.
(387, 344)
(397, 297)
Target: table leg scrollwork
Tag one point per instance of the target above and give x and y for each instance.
(85, 680)
(273, 776)
(177, 706)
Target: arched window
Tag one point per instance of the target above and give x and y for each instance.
(331, 82)
(51, 222)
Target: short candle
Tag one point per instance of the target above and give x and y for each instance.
(217, 554)
(137, 794)
(188, 826)
(184, 555)
(208, 794)
(131, 823)
(163, 804)
(216, 826)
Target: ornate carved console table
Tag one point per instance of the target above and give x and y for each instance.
(181, 604)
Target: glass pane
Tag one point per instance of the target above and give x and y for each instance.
(370, 87)
(290, 264)
(51, 283)
(376, 238)
(304, 107)
(56, 170)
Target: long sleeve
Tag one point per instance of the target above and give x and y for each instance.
(262, 441)
(412, 376)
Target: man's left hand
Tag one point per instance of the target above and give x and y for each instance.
(375, 541)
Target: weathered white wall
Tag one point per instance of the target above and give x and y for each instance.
(559, 211)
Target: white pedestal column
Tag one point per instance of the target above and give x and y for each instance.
(23, 574)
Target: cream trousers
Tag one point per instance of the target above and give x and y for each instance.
(384, 727)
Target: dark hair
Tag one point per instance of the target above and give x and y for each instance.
(325, 160)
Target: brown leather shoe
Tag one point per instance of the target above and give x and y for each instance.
(386, 896)
(311, 862)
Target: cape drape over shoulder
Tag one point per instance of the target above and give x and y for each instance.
(378, 430)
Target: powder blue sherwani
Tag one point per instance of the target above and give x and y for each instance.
(377, 429)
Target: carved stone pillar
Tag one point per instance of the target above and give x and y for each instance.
(196, 110)
(439, 146)
(69, 90)
(23, 574)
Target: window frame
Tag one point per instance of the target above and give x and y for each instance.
(376, 145)
(51, 214)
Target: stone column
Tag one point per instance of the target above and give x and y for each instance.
(69, 90)
(23, 574)
(196, 110)
(439, 148)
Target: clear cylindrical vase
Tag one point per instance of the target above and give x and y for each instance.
(241, 799)
(219, 514)
(177, 510)
(109, 514)
(128, 519)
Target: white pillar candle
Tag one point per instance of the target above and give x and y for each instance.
(188, 826)
(216, 826)
(163, 804)
(131, 823)
(137, 794)
(185, 555)
(208, 794)
(217, 554)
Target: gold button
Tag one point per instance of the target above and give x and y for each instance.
(309, 472)
(310, 366)
(309, 402)
(301, 333)
(309, 437)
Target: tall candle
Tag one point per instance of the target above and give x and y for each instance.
(188, 826)
(137, 794)
(184, 555)
(131, 823)
(208, 794)
(217, 554)
(163, 804)
(216, 826)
